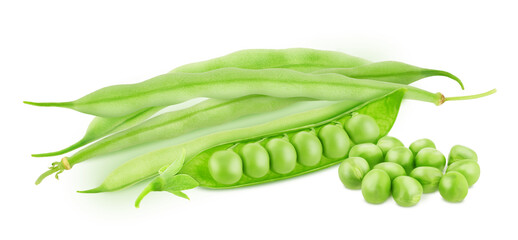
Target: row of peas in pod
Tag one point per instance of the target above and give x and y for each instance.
(281, 155)
(388, 167)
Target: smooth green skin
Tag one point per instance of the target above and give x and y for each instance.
(229, 83)
(308, 147)
(376, 186)
(386, 143)
(406, 191)
(225, 167)
(367, 151)
(335, 141)
(419, 144)
(459, 152)
(429, 178)
(283, 155)
(468, 168)
(198, 151)
(362, 129)
(402, 156)
(351, 172)
(453, 187)
(256, 160)
(430, 157)
(394, 170)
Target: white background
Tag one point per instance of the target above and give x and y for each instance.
(60, 50)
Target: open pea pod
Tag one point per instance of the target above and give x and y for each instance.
(221, 166)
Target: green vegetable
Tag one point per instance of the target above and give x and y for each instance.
(308, 147)
(406, 191)
(376, 186)
(459, 152)
(335, 141)
(468, 168)
(417, 145)
(386, 143)
(283, 156)
(394, 170)
(362, 129)
(351, 172)
(225, 167)
(430, 157)
(402, 156)
(429, 178)
(369, 152)
(453, 187)
(256, 161)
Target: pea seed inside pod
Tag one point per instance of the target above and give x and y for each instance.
(453, 187)
(308, 147)
(406, 191)
(283, 156)
(376, 186)
(255, 159)
(369, 152)
(459, 152)
(402, 156)
(417, 145)
(351, 172)
(429, 178)
(225, 167)
(335, 141)
(386, 143)
(430, 157)
(362, 129)
(394, 170)
(468, 168)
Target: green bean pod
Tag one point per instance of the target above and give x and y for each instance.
(229, 83)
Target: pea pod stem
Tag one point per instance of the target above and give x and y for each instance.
(469, 97)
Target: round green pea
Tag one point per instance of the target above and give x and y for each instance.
(429, 178)
(367, 151)
(386, 143)
(225, 167)
(459, 152)
(406, 191)
(376, 186)
(394, 170)
(335, 141)
(430, 157)
(351, 172)
(468, 168)
(417, 145)
(362, 129)
(256, 160)
(402, 156)
(308, 147)
(283, 156)
(453, 187)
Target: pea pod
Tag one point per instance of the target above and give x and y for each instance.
(198, 151)
(229, 83)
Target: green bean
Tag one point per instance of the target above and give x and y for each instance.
(459, 152)
(419, 144)
(406, 191)
(351, 172)
(368, 151)
(386, 143)
(468, 168)
(429, 178)
(376, 186)
(199, 150)
(229, 83)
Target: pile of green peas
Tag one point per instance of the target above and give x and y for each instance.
(389, 168)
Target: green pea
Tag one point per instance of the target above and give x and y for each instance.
(376, 186)
(283, 155)
(255, 159)
(453, 187)
(459, 152)
(367, 151)
(394, 170)
(308, 147)
(362, 129)
(351, 172)
(468, 168)
(429, 178)
(402, 156)
(406, 191)
(335, 141)
(430, 157)
(386, 143)
(225, 167)
(416, 146)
